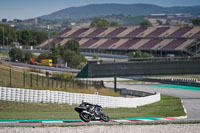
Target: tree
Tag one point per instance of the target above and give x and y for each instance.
(146, 23)
(196, 22)
(26, 37)
(55, 54)
(97, 22)
(132, 21)
(73, 59)
(38, 36)
(16, 54)
(72, 45)
(27, 55)
(67, 56)
(43, 56)
(114, 24)
(9, 33)
(179, 24)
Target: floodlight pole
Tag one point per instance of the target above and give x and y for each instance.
(115, 81)
(48, 38)
(3, 36)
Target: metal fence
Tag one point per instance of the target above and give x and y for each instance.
(10, 77)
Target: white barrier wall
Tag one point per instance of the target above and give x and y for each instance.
(45, 96)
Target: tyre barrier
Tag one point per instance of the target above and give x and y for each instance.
(46, 96)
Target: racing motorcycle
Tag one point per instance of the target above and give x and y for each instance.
(90, 112)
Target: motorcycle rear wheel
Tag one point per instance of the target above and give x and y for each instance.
(85, 117)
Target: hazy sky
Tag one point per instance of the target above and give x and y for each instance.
(23, 9)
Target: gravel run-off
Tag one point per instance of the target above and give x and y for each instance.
(175, 128)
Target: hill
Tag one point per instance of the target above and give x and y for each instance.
(97, 10)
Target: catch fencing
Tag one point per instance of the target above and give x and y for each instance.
(17, 78)
(46, 96)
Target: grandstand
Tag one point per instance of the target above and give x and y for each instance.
(124, 39)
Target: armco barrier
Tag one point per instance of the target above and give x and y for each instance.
(46, 96)
(183, 81)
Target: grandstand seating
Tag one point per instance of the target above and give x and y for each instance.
(139, 44)
(197, 35)
(108, 43)
(97, 32)
(129, 43)
(175, 43)
(130, 38)
(150, 44)
(118, 43)
(136, 32)
(180, 32)
(158, 31)
(89, 43)
(185, 44)
(62, 32)
(115, 32)
(162, 44)
(78, 32)
(58, 40)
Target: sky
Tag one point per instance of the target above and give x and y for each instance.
(24, 9)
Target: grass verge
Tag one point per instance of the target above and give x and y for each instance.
(167, 107)
(51, 84)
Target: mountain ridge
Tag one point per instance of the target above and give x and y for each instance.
(97, 10)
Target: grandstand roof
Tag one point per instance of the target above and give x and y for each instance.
(130, 38)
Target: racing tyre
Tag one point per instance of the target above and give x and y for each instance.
(85, 117)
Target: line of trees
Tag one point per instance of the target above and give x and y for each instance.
(98, 22)
(69, 52)
(23, 37)
(196, 21)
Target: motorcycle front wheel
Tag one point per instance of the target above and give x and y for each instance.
(85, 117)
(104, 117)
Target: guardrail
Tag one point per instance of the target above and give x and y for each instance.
(177, 81)
(189, 58)
(45, 96)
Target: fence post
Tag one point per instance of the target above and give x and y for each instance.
(42, 81)
(70, 84)
(10, 77)
(24, 78)
(56, 83)
(102, 84)
(48, 82)
(86, 84)
(60, 83)
(31, 80)
(37, 80)
(73, 84)
(52, 83)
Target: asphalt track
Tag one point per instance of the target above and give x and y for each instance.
(189, 95)
(44, 67)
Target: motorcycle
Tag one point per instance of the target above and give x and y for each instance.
(90, 112)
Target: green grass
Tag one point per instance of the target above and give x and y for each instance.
(167, 107)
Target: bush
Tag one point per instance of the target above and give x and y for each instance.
(66, 77)
(139, 54)
(16, 54)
